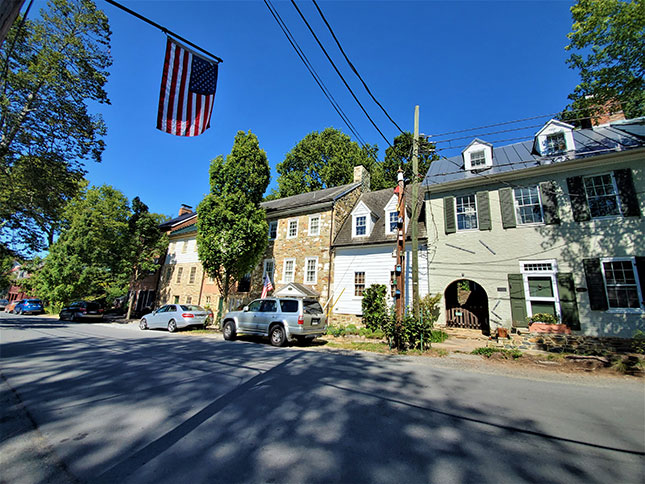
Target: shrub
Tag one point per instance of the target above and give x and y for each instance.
(374, 307)
(638, 342)
(488, 352)
(543, 318)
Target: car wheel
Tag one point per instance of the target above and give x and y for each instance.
(277, 336)
(143, 324)
(21, 312)
(172, 326)
(229, 331)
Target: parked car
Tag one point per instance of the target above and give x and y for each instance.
(82, 311)
(9, 307)
(173, 316)
(3, 303)
(26, 306)
(281, 319)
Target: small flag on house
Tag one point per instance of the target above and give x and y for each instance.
(267, 286)
(187, 91)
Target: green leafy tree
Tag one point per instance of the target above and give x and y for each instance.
(232, 231)
(146, 244)
(322, 160)
(51, 67)
(608, 49)
(400, 155)
(374, 307)
(6, 263)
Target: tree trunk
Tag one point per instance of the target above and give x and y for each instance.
(222, 298)
(131, 293)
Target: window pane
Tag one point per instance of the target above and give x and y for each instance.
(543, 307)
(555, 143)
(311, 270)
(540, 287)
(478, 158)
(359, 283)
(466, 213)
(620, 281)
(273, 230)
(314, 226)
(360, 225)
(289, 305)
(527, 203)
(602, 198)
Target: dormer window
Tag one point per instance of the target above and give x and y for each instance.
(394, 221)
(555, 138)
(478, 159)
(478, 155)
(362, 223)
(360, 227)
(556, 143)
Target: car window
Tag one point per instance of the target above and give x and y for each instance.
(163, 309)
(92, 306)
(289, 305)
(171, 308)
(311, 307)
(191, 307)
(269, 306)
(255, 306)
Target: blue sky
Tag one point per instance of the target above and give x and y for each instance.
(466, 64)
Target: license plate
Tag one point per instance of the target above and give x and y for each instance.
(315, 321)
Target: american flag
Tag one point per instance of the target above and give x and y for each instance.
(267, 286)
(187, 92)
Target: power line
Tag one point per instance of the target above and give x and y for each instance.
(338, 72)
(340, 47)
(312, 71)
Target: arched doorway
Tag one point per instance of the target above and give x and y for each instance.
(467, 306)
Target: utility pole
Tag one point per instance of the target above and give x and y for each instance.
(415, 216)
(399, 268)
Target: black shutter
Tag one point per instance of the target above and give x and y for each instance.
(507, 208)
(568, 303)
(640, 268)
(595, 285)
(518, 301)
(449, 215)
(627, 193)
(549, 203)
(483, 211)
(578, 199)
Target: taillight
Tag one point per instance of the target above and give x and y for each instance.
(83, 310)
(301, 319)
(187, 315)
(100, 310)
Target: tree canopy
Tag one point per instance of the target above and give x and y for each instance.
(400, 155)
(607, 41)
(51, 68)
(232, 231)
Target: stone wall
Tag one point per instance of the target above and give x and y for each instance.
(345, 319)
(562, 343)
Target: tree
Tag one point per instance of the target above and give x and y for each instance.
(145, 245)
(232, 231)
(608, 49)
(322, 160)
(50, 68)
(400, 155)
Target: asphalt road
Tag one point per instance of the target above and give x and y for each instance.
(94, 403)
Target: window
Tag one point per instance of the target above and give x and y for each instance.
(176, 299)
(360, 226)
(466, 213)
(478, 159)
(528, 208)
(292, 230)
(191, 277)
(359, 283)
(311, 270)
(169, 273)
(289, 270)
(555, 143)
(602, 195)
(289, 305)
(184, 247)
(208, 299)
(254, 307)
(269, 268)
(314, 225)
(179, 271)
(189, 299)
(268, 306)
(245, 283)
(394, 222)
(273, 230)
(540, 287)
(210, 280)
(621, 283)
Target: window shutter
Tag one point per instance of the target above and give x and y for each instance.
(627, 193)
(449, 215)
(578, 199)
(640, 268)
(518, 302)
(595, 285)
(568, 303)
(549, 203)
(483, 211)
(507, 207)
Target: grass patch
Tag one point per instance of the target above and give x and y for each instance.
(360, 346)
(488, 352)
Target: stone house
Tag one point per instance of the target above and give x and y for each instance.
(552, 225)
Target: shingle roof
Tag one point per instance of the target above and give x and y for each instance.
(185, 230)
(599, 140)
(376, 202)
(168, 224)
(326, 195)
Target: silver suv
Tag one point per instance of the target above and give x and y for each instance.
(281, 319)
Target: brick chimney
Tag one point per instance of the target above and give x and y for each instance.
(184, 209)
(611, 111)
(361, 175)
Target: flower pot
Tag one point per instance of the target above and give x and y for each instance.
(462, 296)
(502, 332)
(549, 328)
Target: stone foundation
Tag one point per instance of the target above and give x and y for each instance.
(345, 319)
(563, 343)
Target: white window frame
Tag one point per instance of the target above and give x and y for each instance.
(553, 152)
(475, 147)
(355, 226)
(457, 213)
(478, 156)
(289, 236)
(306, 276)
(551, 272)
(518, 218)
(616, 195)
(284, 270)
(388, 222)
(265, 263)
(273, 223)
(311, 232)
(636, 280)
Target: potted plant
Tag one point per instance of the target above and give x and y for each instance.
(463, 292)
(546, 323)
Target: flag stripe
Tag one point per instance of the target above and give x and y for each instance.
(181, 103)
(164, 82)
(172, 91)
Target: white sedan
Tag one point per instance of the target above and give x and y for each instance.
(173, 316)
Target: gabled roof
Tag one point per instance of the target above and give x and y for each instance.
(185, 230)
(600, 140)
(169, 224)
(295, 289)
(318, 199)
(376, 202)
(477, 141)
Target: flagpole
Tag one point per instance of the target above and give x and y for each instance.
(162, 28)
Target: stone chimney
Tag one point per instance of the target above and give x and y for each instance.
(184, 209)
(361, 175)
